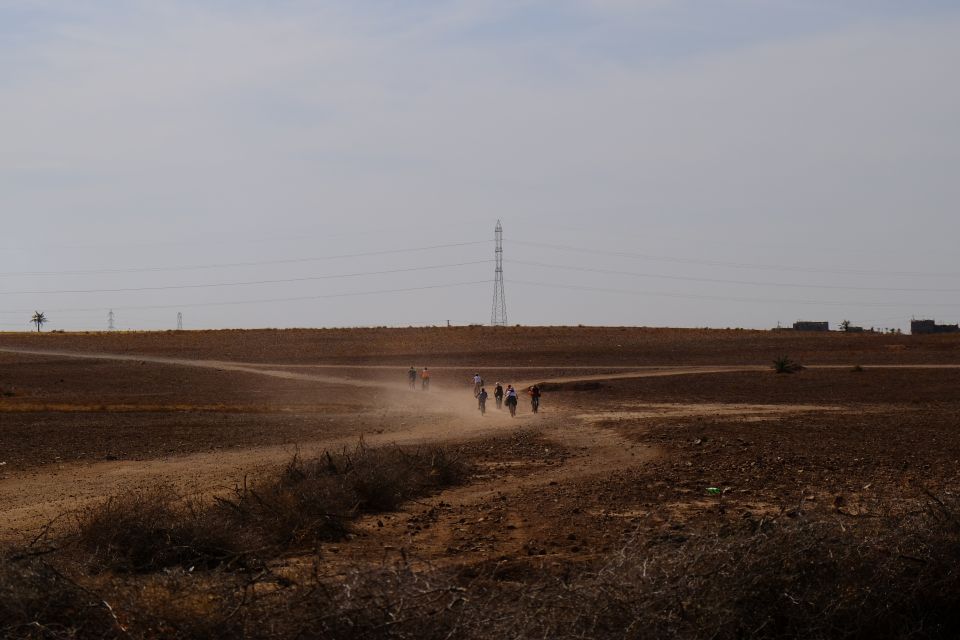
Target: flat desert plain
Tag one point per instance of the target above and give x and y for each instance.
(671, 485)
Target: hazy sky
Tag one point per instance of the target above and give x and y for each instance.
(655, 162)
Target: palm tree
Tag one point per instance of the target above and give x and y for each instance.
(39, 319)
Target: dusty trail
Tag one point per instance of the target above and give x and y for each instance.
(28, 501)
(283, 370)
(592, 452)
(220, 365)
(33, 499)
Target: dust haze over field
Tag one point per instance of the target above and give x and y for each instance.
(280, 484)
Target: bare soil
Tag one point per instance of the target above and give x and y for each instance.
(645, 436)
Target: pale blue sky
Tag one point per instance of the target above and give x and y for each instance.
(721, 144)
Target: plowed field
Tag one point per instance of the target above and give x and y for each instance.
(646, 437)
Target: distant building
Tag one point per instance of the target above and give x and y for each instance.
(803, 325)
(929, 326)
(854, 329)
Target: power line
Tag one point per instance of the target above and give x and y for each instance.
(221, 237)
(725, 281)
(734, 265)
(90, 315)
(622, 235)
(272, 300)
(228, 265)
(692, 296)
(249, 282)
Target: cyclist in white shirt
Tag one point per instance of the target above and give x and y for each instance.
(477, 385)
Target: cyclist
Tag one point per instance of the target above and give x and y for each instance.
(498, 395)
(482, 400)
(511, 400)
(412, 376)
(534, 398)
(425, 379)
(477, 385)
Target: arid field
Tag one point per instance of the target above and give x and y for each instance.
(290, 484)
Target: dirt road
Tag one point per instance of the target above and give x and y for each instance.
(31, 499)
(34, 498)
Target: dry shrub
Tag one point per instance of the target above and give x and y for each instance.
(39, 602)
(802, 577)
(177, 604)
(798, 577)
(783, 364)
(147, 530)
(315, 499)
(811, 576)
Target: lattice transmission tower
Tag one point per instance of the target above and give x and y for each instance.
(110, 319)
(498, 312)
(179, 320)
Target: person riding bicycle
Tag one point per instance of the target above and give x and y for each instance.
(477, 385)
(534, 398)
(498, 395)
(511, 400)
(425, 379)
(412, 376)
(482, 400)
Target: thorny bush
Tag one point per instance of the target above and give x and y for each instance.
(812, 575)
(147, 530)
(808, 576)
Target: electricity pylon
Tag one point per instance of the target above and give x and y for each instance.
(498, 312)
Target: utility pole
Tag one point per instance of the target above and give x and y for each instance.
(110, 318)
(498, 312)
(179, 320)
